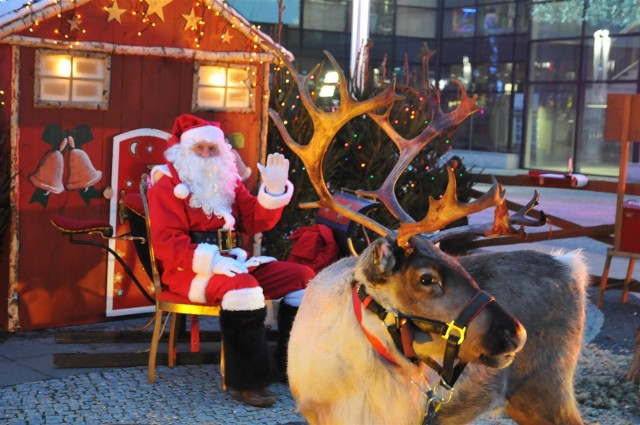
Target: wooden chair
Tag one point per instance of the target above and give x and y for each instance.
(166, 302)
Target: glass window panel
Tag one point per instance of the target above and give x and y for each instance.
(266, 11)
(87, 91)
(555, 60)
(237, 98)
(522, 17)
(454, 50)
(595, 155)
(556, 18)
(611, 58)
(460, 3)
(459, 22)
(220, 87)
(488, 129)
(326, 15)
(54, 89)
(550, 126)
(211, 97)
(212, 75)
(381, 18)
(81, 81)
(497, 19)
(414, 22)
(237, 77)
(419, 3)
(55, 65)
(88, 68)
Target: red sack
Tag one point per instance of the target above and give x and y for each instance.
(314, 246)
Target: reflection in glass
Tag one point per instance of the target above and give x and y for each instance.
(611, 58)
(555, 60)
(550, 126)
(595, 155)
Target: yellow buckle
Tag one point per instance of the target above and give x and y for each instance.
(226, 240)
(452, 326)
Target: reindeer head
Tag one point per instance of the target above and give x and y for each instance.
(428, 286)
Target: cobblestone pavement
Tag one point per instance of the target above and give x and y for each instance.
(182, 395)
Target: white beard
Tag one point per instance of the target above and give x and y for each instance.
(212, 181)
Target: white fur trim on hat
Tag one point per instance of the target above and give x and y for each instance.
(243, 299)
(206, 133)
(272, 202)
(197, 290)
(203, 257)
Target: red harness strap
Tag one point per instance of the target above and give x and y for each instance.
(377, 344)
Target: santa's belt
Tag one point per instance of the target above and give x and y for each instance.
(225, 239)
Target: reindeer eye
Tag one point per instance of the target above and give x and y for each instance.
(430, 278)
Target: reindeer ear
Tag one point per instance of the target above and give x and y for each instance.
(377, 261)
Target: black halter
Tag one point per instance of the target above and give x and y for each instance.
(402, 326)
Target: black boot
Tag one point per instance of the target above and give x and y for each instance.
(286, 315)
(249, 368)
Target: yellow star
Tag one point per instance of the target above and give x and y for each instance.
(226, 37)
(74, 24)
(192, 20)
(115, 12)
(155, 6)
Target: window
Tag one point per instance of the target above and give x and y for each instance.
(69, 80)
(224, 87)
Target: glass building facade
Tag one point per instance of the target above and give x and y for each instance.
(542, 70)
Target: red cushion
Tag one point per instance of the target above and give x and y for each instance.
(133, 201)
(71, 225)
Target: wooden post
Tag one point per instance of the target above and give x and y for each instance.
(633, 371)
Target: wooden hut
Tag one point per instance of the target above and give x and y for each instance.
(88, 93)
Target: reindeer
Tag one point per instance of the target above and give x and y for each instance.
(406, 334)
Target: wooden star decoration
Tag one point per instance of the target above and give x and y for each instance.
(115, 12)
(155, 6)
(226, 37)
(192, 20)
(74, 24)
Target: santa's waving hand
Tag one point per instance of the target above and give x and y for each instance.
(275, 173)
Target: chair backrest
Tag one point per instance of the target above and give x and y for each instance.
(139, 221)
(155, 269)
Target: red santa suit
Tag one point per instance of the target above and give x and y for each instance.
(187, 265)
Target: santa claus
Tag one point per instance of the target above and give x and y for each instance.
(197, 203)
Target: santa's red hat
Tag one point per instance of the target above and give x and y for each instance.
(187, 131)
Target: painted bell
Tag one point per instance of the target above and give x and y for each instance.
(82, 173)
(48, 174)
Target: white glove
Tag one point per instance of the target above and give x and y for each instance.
(256, 261)
(240, 254)
(274, 174)
(228, 266)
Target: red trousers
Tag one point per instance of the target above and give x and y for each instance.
(277, 279)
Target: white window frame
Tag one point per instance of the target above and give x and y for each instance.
(73, 78)
(244, 89)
